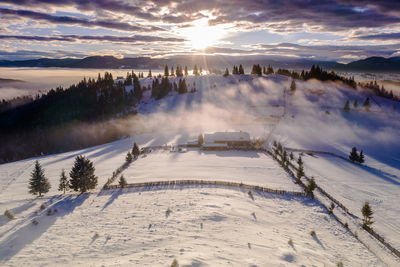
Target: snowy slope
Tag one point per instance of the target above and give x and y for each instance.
(252, 104)
(206, 227)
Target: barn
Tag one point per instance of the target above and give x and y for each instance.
(226, 140)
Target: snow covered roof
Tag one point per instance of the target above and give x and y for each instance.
(226, 136)
(215, 145)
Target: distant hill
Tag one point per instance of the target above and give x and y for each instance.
(214, 61)
(372, 64)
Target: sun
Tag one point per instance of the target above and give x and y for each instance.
(201, 35)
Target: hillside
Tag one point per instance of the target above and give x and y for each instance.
(133, 225)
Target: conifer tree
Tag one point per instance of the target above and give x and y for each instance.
(64, 184)
(291, 156)
(270, 70)
(195, 71)
(186, 71)
(354, 155)
(226, 72)
(293, 86)
(310, 187)
(367, 214)
(172, 70)
(122, 181)
(82, 175)
(129, 157)
(149, 75)
(166, 72)
(135, 150)
(355, 105)
(201, 70)
(361, 157)
(367, 104)
(347, 106)
(300, 169)
(38, 184)
(200, 139)
(241, 70)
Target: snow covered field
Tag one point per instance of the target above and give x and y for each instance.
(205, 227)
(237, 166)
(313, 119)
(353, 185)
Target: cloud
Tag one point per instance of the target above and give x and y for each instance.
(381, 36)
(75, 38)
(68, 20)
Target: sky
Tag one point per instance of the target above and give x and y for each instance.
(340, 30)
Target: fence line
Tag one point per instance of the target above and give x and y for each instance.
(338, 203)
(209, 182)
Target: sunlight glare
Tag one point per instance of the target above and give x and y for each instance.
(201, 35)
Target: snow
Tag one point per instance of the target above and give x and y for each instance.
(227, 228)
(311, 118)
(248, 167)
(353, 185)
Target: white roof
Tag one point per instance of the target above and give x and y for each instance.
(226, 136)
(215, 145)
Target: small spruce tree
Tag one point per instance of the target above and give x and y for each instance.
(135, 150)
(64, 184)
(367, 104)
(82, 175)
(361, 157)
(354, 155)
(226, 72)
(129, 157)
(367, 214)
(122, 182)
(355, 105)
(200, 139)
(291, 156)
(293, 86)
(38, 184)
(310, 187)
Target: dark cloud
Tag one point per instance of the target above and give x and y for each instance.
(78, 21)
(74, 38)
(380, 37)
(331, 15)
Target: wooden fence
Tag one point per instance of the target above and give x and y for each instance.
(209, 182)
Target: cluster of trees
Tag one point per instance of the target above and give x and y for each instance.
(133, 154)
(316, 72)
(14, 102)
(161, 88)
(179, 71)
(237, 70)
(366, 105)
(197, 71)
(268, 70)
(256, 70)
(355, 156)
(82, 178)
(380, 90)
(284, 159)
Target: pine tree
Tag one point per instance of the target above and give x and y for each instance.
(293, 86)
(128, 157)
(122, 181)
(166, 71)
(270, 70)
(64, 184)
(353, 155)
(367, 104)
(172, 70)
(135, 150)
(38, 184)
(82, 175)
(200, 139)
(310, 187)
(355, 105)
(186, 71)
(367, 214)
(195, 71)
(347, 106)
(300, 169)
(361, 157)
(291, 156)
(149, 75)
(226, 72)
(241, 70)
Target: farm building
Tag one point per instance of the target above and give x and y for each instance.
(226, 140)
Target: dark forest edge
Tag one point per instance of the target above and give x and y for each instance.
(97, 111)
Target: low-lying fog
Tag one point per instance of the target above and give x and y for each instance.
(29, 81)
